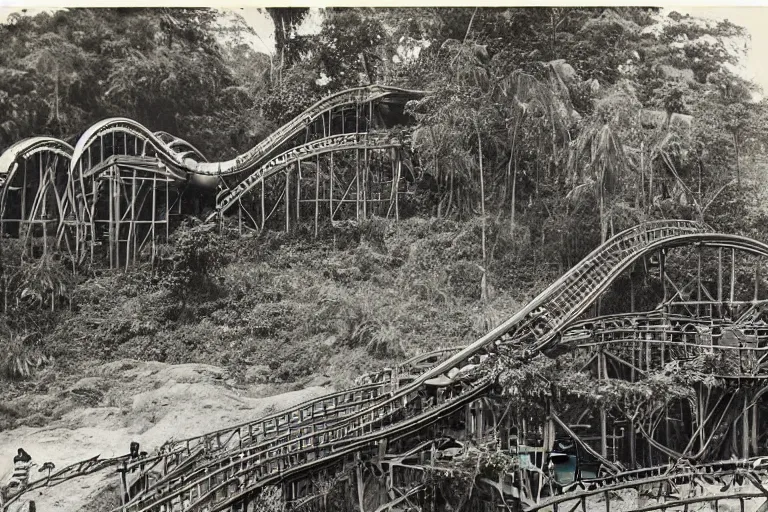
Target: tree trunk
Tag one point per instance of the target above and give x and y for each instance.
(640, 197)
(738, 160)
(513, 161)
(450, 196)
(484, 283)
(603, 224)
(553, 35)
(650, 188)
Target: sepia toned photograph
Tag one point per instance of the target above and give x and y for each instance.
(383, 259)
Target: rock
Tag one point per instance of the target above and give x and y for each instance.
(258, 374)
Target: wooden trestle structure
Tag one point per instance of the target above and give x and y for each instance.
(122, 189)
(388, 443)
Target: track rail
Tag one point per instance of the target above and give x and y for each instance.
(657, 474)
(316, 147)
(560, 303)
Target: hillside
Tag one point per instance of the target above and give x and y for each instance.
(283, 310)
(506, 145)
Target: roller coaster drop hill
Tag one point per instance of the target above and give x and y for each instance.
(378, 446)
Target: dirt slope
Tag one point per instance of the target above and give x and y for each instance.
(147, 402)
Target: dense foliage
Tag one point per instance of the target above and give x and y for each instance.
(548, 129)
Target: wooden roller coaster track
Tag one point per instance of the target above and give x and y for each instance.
(222, 470)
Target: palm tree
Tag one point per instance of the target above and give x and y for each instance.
(598, 163)
(533, 102)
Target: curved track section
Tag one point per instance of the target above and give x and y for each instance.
(295, 155)
(553, 309)
(721, 473)
(121, 125)
(28, 147)
(262, 150)
(34, 187)
(165, 144)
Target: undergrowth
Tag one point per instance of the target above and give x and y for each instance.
(358, 298)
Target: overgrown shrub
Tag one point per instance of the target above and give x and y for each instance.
(192, 260)
(20, 354)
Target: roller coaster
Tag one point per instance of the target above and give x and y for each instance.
(380, 444)
(122, 188)
(665, 298)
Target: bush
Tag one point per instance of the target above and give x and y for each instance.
(20, 355)
(192, 259)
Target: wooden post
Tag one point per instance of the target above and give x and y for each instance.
(132, 225)
(360, 483)
(733, 275)
(317, 192)
(720, 281)
(118, 213)
(662, 257)
(167, 210)
(330, 196)
(22, 224)
(154, 215)
(745, 428)
(92, 214)
(287, 199)
(757, 279)
(365, 177)
(753, 433)
(41, 192)
(263, 213)
(124, 483)
(111, 216)
(698, 284)
(397, 187)
(357, 184)
(602, 374)
(298, 191)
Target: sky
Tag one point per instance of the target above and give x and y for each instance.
(755, 21)
(753, 16)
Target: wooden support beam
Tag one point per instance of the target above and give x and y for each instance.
(263, 212)
(167, 211)
(298, 190)
(330, 193)
(698, 282)
(360, 482)
(733, 274)
(111, 225)
(287, 199)
(357, 184)
(745, 428)
(317, 193)
(397, 186)
(154, 217)
(601, 375)
(662, 271)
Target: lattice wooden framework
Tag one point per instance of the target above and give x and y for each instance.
(379, 446)
(121, 189)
